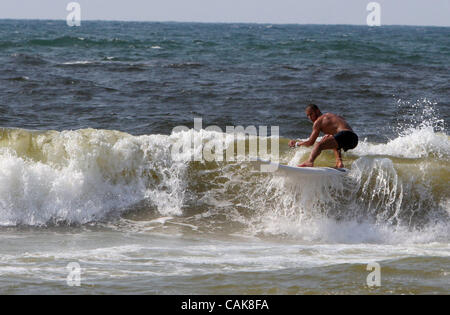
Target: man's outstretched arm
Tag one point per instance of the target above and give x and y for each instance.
(311, 140)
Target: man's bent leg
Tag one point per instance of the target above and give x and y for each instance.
(337, 155)
(328, 142)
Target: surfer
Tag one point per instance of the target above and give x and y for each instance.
(338, 135)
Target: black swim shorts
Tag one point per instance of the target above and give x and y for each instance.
(346, 140)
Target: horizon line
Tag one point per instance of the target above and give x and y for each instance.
(203, 22)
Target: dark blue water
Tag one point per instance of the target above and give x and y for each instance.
(146, 78)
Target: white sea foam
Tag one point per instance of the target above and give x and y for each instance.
(81, 176)
(78, 62)
(330, 231)
(417, 143)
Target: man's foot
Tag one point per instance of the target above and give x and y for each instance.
(306, 164)
(339, 165)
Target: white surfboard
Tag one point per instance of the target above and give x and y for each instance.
(315, 171)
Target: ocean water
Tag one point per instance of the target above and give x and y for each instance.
(88, 173)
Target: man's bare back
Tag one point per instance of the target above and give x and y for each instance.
(338, 135)
(331, 124)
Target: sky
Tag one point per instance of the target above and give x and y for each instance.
(393, 12)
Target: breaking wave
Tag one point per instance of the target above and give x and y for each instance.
(77, 177)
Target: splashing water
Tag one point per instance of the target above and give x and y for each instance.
(77, 177)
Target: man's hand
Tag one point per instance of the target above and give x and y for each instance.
(293, 143)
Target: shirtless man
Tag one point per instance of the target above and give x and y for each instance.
(338, 135)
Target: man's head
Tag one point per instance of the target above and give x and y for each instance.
(313, 112)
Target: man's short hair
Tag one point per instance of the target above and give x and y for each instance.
(312, 106)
